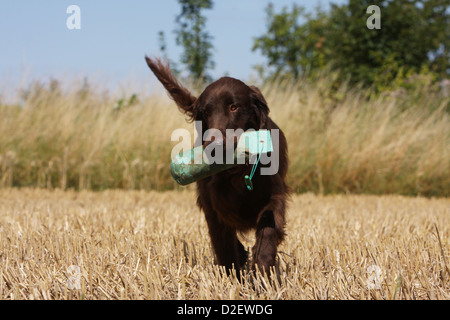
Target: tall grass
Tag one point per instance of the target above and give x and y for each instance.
(340, 139)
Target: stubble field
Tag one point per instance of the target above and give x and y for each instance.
(155, 245)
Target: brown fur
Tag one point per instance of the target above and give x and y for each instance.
(228, 206)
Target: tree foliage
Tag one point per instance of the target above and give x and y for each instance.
(414, 37)
(289, 46)
(196, 42)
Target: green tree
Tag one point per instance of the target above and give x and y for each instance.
(191, 35)
(291, 47)
(414, 35)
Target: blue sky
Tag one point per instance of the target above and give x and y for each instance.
(115, 36)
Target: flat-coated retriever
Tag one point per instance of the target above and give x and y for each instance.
(228, 205)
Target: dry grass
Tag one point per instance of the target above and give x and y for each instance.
(150, 245)
(340, 141)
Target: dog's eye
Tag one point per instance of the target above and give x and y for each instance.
(233, 108)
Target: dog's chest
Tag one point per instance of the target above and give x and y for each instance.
(234, 204)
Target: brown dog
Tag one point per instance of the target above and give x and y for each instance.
(228, 206)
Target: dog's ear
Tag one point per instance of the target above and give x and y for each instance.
(261, 104)
(182, 97)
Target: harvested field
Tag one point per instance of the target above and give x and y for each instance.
(155, 245)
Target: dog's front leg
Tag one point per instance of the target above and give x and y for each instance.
(229, 251)
(269, 234)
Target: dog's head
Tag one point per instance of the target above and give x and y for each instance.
(227, 103)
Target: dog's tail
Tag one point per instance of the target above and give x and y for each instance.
(182, 97)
